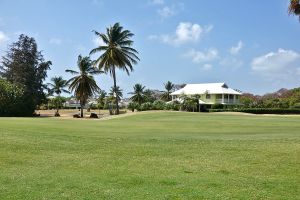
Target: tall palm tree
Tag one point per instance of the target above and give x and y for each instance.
(116, 53)
(57, 87)
(83, 83)
(138, 93)
(294, 7)
(169, 86)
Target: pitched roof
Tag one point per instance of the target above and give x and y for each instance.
(210, 88)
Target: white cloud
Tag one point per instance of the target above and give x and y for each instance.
(202, 56)
(55, 41)
(236, 49)
(280, 65)
(186, 32)
(157, 2)
(98, 41)
(207, 67)
(166, 11)
(3, 38)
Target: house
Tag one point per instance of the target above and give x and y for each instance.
(210, 93)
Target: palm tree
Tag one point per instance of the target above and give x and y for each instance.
(116, 92)
(57, 86)
(138, 93)
(117, 52)
(169, 86)
(101, 99)
(83, 83)
(294, 7)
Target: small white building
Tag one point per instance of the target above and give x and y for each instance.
(210, 93)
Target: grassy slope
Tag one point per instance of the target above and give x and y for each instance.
(151, 156)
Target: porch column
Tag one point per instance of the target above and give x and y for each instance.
(228, 98)
(222, 98)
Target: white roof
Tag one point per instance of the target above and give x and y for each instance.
(209, 88)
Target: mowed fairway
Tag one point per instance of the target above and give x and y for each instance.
(164, 155)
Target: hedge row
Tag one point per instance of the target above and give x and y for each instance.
(260, 110)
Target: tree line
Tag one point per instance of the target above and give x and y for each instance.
(24, 67)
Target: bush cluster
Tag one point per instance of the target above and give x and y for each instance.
(260, 110)
(156, 105)
(12, 100)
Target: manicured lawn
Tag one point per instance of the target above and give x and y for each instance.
(151, 156)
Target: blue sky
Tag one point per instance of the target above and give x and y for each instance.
(251, 45)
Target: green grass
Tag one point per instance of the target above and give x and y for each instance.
(151, 156)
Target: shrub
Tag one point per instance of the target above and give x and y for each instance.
(159, 105)
(76, 116)
(133, 106)
(260, 110)
(93, 115)
(146, 106)
(172, 106)
(12, 100)
(217, 106)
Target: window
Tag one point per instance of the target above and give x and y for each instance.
(207, 96)
(219, 96)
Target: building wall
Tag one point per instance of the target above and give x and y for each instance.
(217, 99)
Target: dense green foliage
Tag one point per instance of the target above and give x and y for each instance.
(117, 52)
(166, 155)
(283, 98)
(24, 65)
(11, 99)
(260, 110)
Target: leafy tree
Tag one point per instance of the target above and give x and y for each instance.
(294, 7)
(138, 93)
(24, 66)
(83, 83)
(117, 52)
(169, 86)
(57, 87)
(11, 99)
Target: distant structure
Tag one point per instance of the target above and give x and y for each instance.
(210, 93)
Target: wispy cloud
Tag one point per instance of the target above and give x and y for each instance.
(157, 2)
(166, 11)
(55, 41)
(186, 32)
(202, 56)
(280, 65)
(3, 38)
(236, 49)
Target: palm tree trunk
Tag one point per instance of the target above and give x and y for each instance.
(81, 110)
(115, 87)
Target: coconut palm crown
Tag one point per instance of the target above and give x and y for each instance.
(57, 86)
(169, 86)
(138, 93)
(117, 52)
(83, 83)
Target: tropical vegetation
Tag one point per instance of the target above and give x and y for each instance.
(57, 86)
(83, 83)
(138, 94)
(24, 66)
(116, 53)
